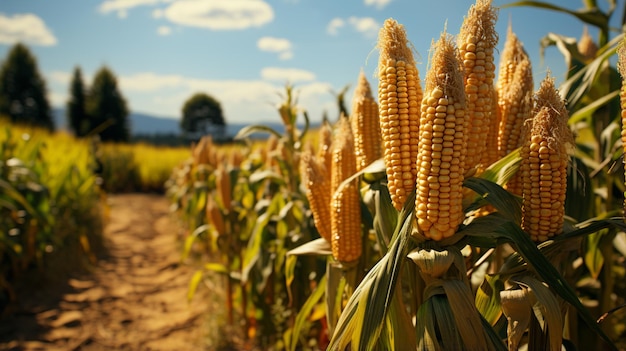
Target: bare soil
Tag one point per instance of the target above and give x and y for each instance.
(135, 298)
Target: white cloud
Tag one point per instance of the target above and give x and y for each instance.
(290, 75)
(122, 6)
(220, 14)
(28, 28)
(243, 101)
(334, 25)
(379, 4)
(278, 45)
(365, 25)
(164, 30)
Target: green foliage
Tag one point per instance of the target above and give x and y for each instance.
(50, 216)
(76, 110)
(23, 90)
(107, 108)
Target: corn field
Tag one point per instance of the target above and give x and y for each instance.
(455, 207)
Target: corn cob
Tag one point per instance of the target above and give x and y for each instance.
(204, 152)
(544, 165)
(491, 150)
(442, 145)
(511, 53)
(365, 124)
(586, 46)
(345, 203)
(477, 41)
(317, 190)
(214, 216)
(324, 152)
(621, 67)
(222, 183)
(515, 104)
(399, 96)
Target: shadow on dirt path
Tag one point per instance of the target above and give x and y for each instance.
(135, 299)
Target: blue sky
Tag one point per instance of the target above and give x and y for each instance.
(243, 52)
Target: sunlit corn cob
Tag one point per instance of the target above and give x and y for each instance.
(204, 152)
(222, 183)
(509, 57)
(442, 147)
(345, 204)
(476, 42)
(491, 148)
(324, 152)
(621, 67)
(516, 110)
(214, 216)
(317, 189)
(399, 96)
(544, 165)
(586, 46)
(516, 104)
(365, 124)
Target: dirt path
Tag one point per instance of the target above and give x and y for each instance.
(134, 300)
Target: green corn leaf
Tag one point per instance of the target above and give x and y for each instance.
(593, 255)
(373, 296)
(249, 130)
(487, 299)
(193, 284)
(305, 312)
(320, 247)
(532, 256)
(592, 16)
(587, 111)
(506, 203)
(547, 309)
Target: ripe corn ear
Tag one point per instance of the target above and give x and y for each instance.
(365, 124)
(544, 165)
(214, 216)
(476, 42)
(324, 152)
(345, 203)
(442, 146)
(399, 96)
(317, 189)
(586, 46)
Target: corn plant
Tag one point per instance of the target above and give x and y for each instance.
(49, 200)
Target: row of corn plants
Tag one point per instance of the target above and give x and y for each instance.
(137, 167)
(50, 215)
(461, 211)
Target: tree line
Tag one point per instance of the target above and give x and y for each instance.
(99, 109)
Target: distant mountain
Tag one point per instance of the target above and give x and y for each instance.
(144, 124)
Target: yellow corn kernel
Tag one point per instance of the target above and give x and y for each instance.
(476, 43)
(544, 165)
(365, 124)
(442, 145)
(345, 205)
(399, 96)
(318, 192)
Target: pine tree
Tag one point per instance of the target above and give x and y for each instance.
(23, 90)
(77, 118)
(107, 109)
